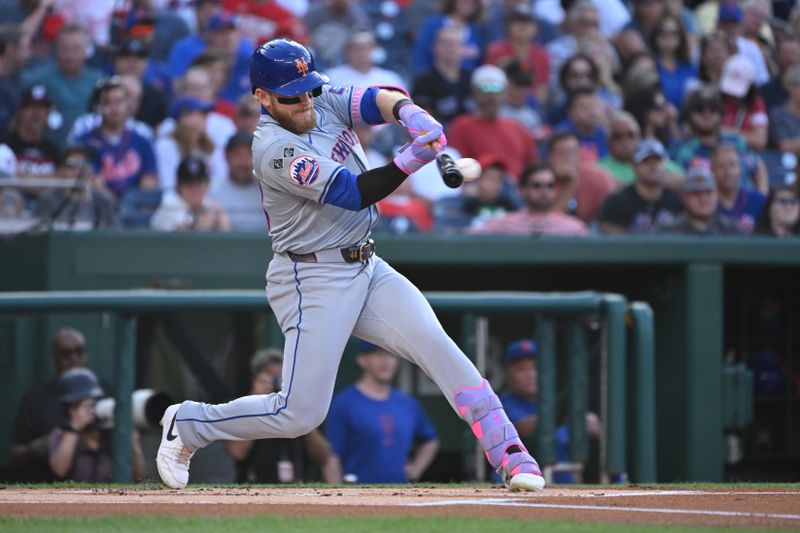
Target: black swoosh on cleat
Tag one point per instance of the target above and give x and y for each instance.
(170, 434)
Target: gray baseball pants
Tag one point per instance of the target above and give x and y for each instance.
(318, 306)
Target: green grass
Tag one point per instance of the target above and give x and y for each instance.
(384, 524)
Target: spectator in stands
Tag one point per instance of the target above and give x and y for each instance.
(715, 49)
(623, 139)
(40, 410)
(521, 104)
(657, 118)
(743, 205)
(239, 195)
(581, 186)
(443, 90)
(646, 16)
(639, 206)
(121, 157)
(12, 203)
(781, 215)
(702, 112)
(756, 15)
(93, 118)
(639, 73)
(491, 195)
(69, 81)
(262, 20)
(730, 23)
(279, 460)
(373, 427)
(248, 113)
(579, 73)
(329, 24)
(188, 207)
(197, 84)
(521, 400)
(496, 21)
(605, 57)
(462, 14)
(83, 206)
(216, 30)
(485, 132)
(670, 44)
(540, 215)
(80, 448)
(700, 215)
(360, 69)
(582, 18)
(36, 154)
(189, 139)
(774, 91)
(745, 112)
(785, 119)
(404, 212)
(11, 62)
(131, 59)
(159, 28)
(520, 47)
(628, 43)
(586, 119)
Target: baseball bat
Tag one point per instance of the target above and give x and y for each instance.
(450, 173)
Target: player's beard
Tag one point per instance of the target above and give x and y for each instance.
(295, 120)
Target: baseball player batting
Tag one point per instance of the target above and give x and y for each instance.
(325, 281)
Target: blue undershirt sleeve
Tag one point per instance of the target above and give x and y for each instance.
(344, 192)
(369, 107)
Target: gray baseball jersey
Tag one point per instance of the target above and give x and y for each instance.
(296, 171)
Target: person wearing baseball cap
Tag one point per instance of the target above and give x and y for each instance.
(188, 208)
(730, 23)
(745, 111)
(372, 426)
(636, 207)
(700, 217)
(487, 132)
(521, 400)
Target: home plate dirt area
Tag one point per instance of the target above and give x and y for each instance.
(732, 507)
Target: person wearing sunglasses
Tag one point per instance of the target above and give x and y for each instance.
(41, 411)
(781, 216)
(324, 281)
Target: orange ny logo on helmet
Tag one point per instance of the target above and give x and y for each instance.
(301, 65)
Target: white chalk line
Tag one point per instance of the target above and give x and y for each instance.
(506, 503)
(681, 493)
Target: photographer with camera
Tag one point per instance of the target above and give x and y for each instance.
(80, 448)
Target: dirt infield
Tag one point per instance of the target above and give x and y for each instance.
(778, 508)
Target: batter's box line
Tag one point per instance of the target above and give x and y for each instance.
(506, 503)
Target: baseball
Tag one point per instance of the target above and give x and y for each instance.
(470, 168)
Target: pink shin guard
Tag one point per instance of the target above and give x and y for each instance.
(482, 410)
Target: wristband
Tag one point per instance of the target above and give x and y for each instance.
(396, 107)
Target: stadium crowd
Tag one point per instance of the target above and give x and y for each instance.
(587, 116)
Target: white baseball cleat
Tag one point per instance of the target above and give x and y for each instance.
(173, 457)
(528, 482)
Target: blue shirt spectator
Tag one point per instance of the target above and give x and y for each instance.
(373, 427)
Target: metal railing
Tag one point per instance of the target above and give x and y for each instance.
(610, 308)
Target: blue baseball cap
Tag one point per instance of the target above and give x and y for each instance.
(185, 104)
(221, 21)
(521, 349)
(729, 12)
(367, 347)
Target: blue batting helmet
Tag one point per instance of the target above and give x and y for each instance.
(284, 67)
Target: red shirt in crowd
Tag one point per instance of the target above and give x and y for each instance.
(525, 222)
(260, 21)
(537, 62)
(474, 136)
(744, 118)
